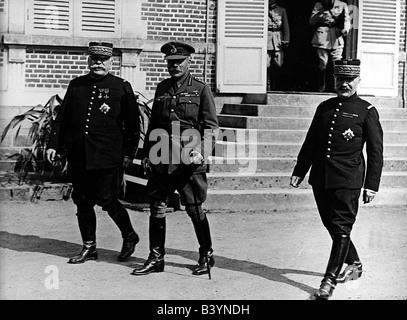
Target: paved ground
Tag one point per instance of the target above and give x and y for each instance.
(259, 256)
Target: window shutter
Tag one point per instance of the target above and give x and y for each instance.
(51, 17)
(379, 22)
(99, 18)
(242, 40)
(378, 47)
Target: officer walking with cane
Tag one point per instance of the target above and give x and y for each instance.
(181, 135)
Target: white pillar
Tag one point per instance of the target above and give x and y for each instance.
(16, 68)
(130, 69)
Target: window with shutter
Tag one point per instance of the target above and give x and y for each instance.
(378, 46)
(242, 27)
(51, 17)
(99, 17)
(379, 22)
(83, 18)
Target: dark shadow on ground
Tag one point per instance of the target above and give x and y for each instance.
(31, 243)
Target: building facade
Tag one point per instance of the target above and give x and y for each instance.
(44, 44)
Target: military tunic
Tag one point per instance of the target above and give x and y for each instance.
(174, 111)
(333, 148)
(329, 25)
(187, 111)
(98, 123)
(278, 28)
(334, 145)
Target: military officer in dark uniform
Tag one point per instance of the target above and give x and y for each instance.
(333, 148)
(98, 126)
(182, 133)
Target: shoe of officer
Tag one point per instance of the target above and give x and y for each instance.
(128, 247)
(351, 272)
(154, 263)
(326, 289)
(88, 253)
(202, 267)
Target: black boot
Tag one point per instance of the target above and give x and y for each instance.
(155, 261)
(326, 289)
(203, 235)
(202, 266)
(88, 253)
(121, 218)
(337, 257)
(128, 247)
(353, 270)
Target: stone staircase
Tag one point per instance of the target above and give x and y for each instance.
(259, 143)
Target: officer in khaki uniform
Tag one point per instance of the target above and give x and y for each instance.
(332, 21)
(98, 126)
(181, 135)
(333, 148)
(278, 38)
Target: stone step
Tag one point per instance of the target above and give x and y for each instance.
(7, 165)
(287, 199)
(295, 111)
(247, 122)
(273, 180)
(232, 150)
(245, 164)
(307, 99)
(286, 135)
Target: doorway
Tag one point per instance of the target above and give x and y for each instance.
(300, 63)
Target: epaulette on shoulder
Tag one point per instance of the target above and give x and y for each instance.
(199, 80)
(370, 107)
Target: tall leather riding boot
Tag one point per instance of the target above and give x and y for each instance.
(339, 251)
(87, 222)
(352, 255)
(353, 270)
(155, 261)
(121, 218)
(321, 80)
(203, 235)
(87, 226)
(88, 253)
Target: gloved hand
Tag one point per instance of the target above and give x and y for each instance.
(145, 163)
(368, 195)
(196, 158)
(295, 181)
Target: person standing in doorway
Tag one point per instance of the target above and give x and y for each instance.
(332, 21)
(184, 120)
(278, 38)
(98, 126)
(333, 148)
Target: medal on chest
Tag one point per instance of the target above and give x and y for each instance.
(105, 91)
(348, 134)
(104, 108)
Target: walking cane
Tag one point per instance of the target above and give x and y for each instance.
(200, 228)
